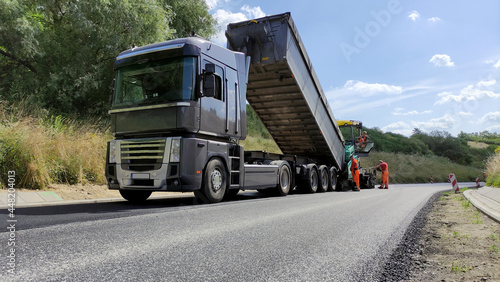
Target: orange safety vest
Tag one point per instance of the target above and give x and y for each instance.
(354, 165)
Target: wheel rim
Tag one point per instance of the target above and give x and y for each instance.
(284, 179)
(216, 180)
(314, 180)
(324, 179)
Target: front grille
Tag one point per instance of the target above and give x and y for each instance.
(142, 155)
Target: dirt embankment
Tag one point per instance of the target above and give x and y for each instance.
(457, 243)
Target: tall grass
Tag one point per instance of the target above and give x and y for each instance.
(257, 143)
(418, 169)
(493, 170)
(43, 148)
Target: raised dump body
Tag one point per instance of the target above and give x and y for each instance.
(284, 91)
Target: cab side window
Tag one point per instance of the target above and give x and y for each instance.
(219, 78)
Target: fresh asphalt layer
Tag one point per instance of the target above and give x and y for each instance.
(346, 236)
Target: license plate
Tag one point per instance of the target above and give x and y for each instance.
(140, 176)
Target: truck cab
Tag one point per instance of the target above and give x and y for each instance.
(175, 102)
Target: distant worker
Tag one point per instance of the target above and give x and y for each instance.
(385, 174)
(363, 139)
(355, 172)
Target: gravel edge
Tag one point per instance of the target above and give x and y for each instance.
(400, 262)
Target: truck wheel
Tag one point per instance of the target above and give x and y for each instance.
(214, 183)
(323, 177)
(135, 196)
(284, 177)
(332, 183)
(312, 179)
(231, 193)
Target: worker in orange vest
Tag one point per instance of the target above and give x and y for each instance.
(355, 172)
(385, 174)
(362, 139)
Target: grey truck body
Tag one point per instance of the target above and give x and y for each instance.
(284, 90)
(179, 110)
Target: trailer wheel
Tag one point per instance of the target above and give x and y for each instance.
(312, 179)
(214, 183)
(284, 177)
(323, 177)
(135, 196)
(332, 183)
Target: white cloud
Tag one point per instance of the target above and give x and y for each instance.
(486, 83)
(442, 60)
(493, 128)
(414, 15)
(399, 127)
(444, 122)
(401, 112)
(434, 19)
(497, 65)
(211, 3)
(255, 12)
(369, 89)
(469, 93)
(464, 114)
(493, 117)
(225, 17)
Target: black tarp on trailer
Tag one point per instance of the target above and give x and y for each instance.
(284, 91)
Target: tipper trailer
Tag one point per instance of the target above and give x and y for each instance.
(179, 111)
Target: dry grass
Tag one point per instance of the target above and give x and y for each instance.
(418, 169)
(478, 145)
(252, 143)
(51, 150)
(493, 170)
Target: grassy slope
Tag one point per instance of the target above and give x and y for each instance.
(52, 149)
(418, 169)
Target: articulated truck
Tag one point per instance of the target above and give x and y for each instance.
(179, 111)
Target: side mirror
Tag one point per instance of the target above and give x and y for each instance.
(209, 85)
(209, 68)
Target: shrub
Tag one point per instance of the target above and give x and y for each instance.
(493, 170)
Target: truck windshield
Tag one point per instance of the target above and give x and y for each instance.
(155, 82)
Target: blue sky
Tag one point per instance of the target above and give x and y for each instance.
(395, 64)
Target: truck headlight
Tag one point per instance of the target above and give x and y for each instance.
(175, 151)
(113, 151)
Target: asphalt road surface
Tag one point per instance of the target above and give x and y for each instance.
(335, 236)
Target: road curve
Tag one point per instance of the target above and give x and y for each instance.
(332, 236)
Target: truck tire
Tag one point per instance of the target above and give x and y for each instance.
(312, 179)
(332, 183)
(214, 183)
(135, 196)
(230, 194)
(284, 178)
(323, 179)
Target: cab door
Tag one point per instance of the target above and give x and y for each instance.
(213, 110)
(232, 105)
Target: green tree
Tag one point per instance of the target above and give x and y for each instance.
(191, 15)
(59, 54)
